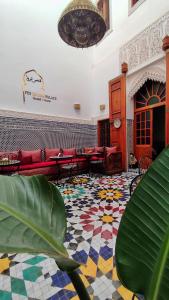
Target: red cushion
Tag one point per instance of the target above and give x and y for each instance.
(51, 152)
(99, 149)
(110, 150)
(35, 154)
(89, 149)
(66, 161)
(37, 165)
(69, 151)
(27, 159)
(97, 158)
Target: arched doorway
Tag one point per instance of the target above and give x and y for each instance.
(149, 118)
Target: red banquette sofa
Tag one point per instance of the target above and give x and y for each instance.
(38, 161)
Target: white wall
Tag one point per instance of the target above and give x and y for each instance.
(30, 40)
(106, 64)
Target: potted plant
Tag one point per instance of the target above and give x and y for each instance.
(33, 220)
(142, 246)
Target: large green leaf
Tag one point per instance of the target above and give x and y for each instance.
(32, 218)
(142, 247)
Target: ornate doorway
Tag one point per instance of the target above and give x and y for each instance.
(149, 118)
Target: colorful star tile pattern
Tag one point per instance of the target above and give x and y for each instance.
(94, 207)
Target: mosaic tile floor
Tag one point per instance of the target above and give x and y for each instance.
(94, 208)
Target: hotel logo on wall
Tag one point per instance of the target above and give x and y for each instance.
(34, 88)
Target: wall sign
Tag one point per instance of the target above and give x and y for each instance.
(34, 88)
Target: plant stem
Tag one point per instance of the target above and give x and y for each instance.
(78, 285)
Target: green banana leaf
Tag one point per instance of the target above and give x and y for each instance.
(32, 218)
(142, 246)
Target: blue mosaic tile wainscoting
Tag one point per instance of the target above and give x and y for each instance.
(24, 133)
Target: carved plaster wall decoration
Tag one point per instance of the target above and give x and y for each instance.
(146, 47)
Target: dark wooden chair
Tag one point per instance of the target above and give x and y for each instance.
(143, 164)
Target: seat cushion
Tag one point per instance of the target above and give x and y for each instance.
(99, 149)
(96, 158)
(37, 165)
(51, 152)
(26, 156)
(110, 150)
(65, 161)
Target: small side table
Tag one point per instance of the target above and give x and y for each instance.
(68, 166)
(89, 161)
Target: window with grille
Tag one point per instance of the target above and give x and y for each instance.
(134, 4)
(143, 128)
(103, 6)
(152, 92)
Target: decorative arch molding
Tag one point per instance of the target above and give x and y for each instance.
(156, 74)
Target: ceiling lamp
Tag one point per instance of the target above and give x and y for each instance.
(81, 24)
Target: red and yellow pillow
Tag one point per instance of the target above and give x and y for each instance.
(98, 149)
(110, 150)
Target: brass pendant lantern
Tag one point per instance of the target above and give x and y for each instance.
(81, 24)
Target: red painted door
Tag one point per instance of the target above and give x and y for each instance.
(117, 108)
